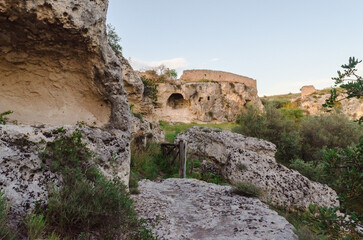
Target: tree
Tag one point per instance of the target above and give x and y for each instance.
(349, 82)
(114, 40)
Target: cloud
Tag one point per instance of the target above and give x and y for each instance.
(214, 59)
(175, 63)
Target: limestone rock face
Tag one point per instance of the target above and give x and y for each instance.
(56, 66)
(143, 132)
(133, 83)
(180, 101)
(246, 159)
(312, 104)
(192, 209)
(25, 179)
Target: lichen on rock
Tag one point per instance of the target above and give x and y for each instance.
(193, 209)
(228, 151)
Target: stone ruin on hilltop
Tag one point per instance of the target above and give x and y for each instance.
(198, 96)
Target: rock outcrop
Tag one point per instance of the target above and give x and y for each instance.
(191, 209)
(23, 175)
(57, 69)
(56, 66)
(143, 132)
(203, 101)
(247, 159)
(311, 101)
(198, 96)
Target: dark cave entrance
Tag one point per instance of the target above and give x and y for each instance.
(177, 101)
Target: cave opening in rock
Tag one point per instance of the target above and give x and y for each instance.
(47, 74)
(177, 101)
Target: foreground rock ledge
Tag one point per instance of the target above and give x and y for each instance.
(24, 177)
(192, 209)
(247, 159)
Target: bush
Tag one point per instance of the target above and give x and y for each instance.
(149, 162)
(3, 119)
(327, 131)
(5, 232)
(87, 203)
(344, 173)
(247, 190)
(311, 170)
(150, 89)
(272, 126)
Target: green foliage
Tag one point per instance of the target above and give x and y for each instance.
(311, 170)
(87, 203)
(150, 89)
(348, 81)
(343, 171)
(272, 126)
(114, 40)
(5, 232)
(35, 225)
(3, 118)
(327, 131)
(247, 189)
(149, 163)
(212, 178)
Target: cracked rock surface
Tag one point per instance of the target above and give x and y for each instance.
(26, 180)
(247, 159)
(192, 209)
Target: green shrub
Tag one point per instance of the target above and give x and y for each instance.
(5, 232)
(150, 89)
(311, 170)
(3, 119)
(327, 131)
(213, 178)
(149, 162)
(272, 126)
(87, 202)
(247, 190)
(35, 225)
(344, 173)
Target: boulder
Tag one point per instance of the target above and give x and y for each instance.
(247, 159)
(25, 178)
(179, 209)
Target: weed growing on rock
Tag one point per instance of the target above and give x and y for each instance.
(35, 225)
(3, 118)
(87, 203)
(247, 190)
(5, 232)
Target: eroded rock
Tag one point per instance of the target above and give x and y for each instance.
(191, 209)
(26, 180)
(56, 66)
(247, 159)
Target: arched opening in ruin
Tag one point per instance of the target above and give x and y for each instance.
(177, 101)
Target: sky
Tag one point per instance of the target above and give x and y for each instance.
(283, 44)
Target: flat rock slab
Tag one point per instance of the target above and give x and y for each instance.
(193, 209)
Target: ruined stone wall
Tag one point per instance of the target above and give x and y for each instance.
(307, 90)
(218, 76)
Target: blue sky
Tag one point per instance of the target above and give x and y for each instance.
(283, 44)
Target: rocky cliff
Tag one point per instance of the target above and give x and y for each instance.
(199, 96)
(56, 66)
(57, 69)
